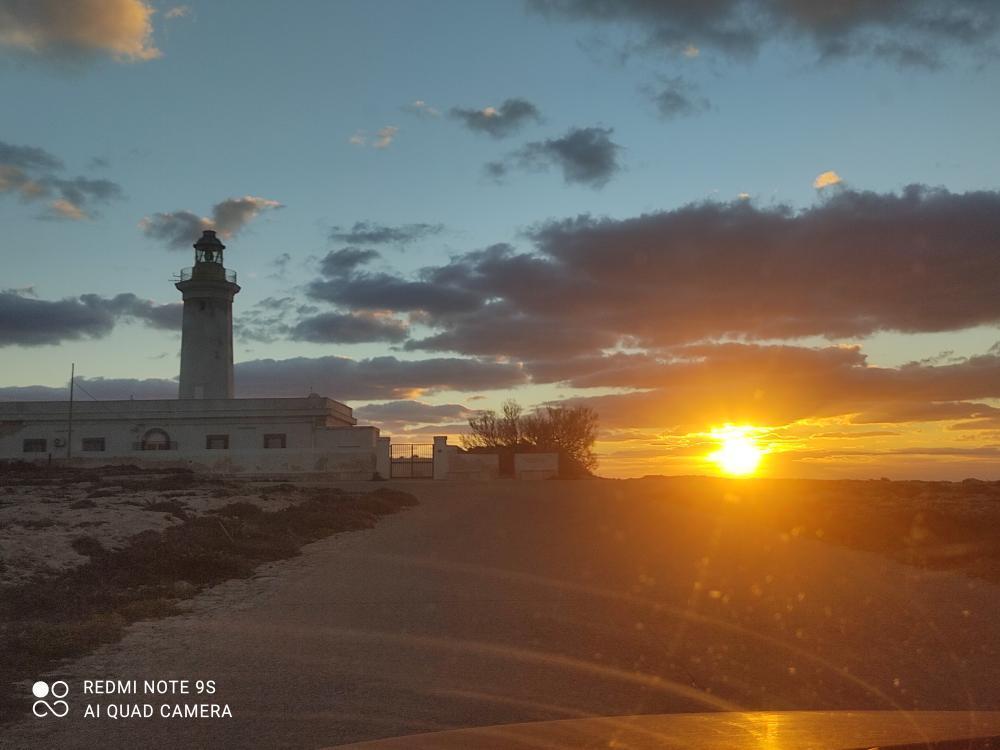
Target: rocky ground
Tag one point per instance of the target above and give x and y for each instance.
(48, 515)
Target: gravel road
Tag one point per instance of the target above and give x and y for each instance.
(511, 602)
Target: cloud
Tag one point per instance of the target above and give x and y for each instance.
(420, 108)
(405, 416)
(501, 121)
(74, 32)
(697, 387)
(432, 292)
(178, 11)
(103, 389)
(28, 321)
(385, 136)
(63, 209)
(28, 158)
(674, 97)
(919, 33)
(586, 156)
(179, 229)
(373, 233)
(345, 260)
(31, 173)
(280, 265)
(382, 139)
(376, 378)
(349, 328)
(853, 264)
(826, 179)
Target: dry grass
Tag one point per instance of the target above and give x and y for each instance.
(67, 614)
(932, 525)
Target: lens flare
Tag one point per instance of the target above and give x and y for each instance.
(738, 453)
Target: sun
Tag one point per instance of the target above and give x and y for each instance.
(738, 453)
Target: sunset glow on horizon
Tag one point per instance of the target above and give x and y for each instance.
(739, 453)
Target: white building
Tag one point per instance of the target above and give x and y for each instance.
(205, 427)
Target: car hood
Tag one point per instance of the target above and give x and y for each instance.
(765, 730)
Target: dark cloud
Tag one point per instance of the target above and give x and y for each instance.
(377, 378)
(280, 265)
(27, 321)
(31, 173)
(345, 260)
(501, 121)
(495, 170)
(907, 32)
(854, 264)
(348, 328)
(586, 156)
(373, 233)
(102, 389)
(265, 322)
(382, 291)
(674, 98)
(374, 378)
(180, 229)
(165, 317)
(498, 327)
(693, 388)
(28, 157)
(76, 32)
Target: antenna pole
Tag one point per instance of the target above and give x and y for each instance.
(69, 432)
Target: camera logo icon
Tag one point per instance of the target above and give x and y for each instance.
(58, 707)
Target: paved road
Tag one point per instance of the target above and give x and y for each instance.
(503, 602)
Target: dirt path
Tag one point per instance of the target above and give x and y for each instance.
(509, 602)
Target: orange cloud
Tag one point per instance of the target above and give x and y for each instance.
(63, 209)
(826, 179)
(60, 30)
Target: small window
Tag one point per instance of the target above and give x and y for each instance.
(274, 441)
(37, 445)
(217, 442)
(93, 444)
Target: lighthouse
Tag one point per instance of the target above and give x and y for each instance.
(207, 329)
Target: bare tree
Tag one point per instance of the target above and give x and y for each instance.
(569, 431)
(491, 430)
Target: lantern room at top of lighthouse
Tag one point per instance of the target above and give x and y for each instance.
(208, 249)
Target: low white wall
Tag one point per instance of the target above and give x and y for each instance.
(472, 465)
(536, 465)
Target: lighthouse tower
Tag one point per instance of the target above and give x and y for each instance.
(207, 330)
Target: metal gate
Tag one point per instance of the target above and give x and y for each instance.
(411, 460)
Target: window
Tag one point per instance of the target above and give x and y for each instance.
(93, 444)
(37, 445)
(274, 441)
(217, 442)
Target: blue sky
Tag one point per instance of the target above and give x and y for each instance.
(262, 99)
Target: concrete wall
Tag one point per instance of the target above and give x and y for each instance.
(472, 465)
(536, 465)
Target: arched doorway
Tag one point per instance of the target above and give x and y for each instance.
(156, 440)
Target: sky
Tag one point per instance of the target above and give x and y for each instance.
(780, 215)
